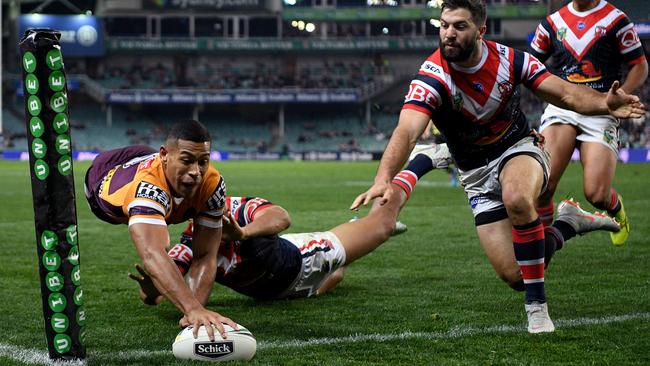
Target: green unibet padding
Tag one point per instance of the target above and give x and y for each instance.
(55, 214)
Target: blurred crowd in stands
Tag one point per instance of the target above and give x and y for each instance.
(258, 75)
(335, 132)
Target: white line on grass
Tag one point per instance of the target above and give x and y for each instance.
(453, 333)
(32, 356)
(38, 357)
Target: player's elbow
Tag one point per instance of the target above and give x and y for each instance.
(282, 219)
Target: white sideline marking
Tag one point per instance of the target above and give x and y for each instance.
(39, 357)
(32, 356)
(456, 332)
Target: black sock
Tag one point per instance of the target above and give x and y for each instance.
(420, 165)
(565, 229)
(553, 241)
(615, 210)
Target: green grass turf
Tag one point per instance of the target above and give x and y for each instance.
(434, 279)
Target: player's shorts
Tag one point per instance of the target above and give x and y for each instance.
(484, 189)
(601, 129)
(420, 149)
(322, 254)
(103, 164)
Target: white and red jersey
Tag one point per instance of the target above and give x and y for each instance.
(588, 47)
(261, 267)
(243, 210)
(477, 109)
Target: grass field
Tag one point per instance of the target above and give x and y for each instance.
(426, 297)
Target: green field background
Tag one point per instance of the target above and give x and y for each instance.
(433, 281)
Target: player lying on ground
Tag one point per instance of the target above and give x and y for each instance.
(147, 190)
(257, 262)
(469, 88)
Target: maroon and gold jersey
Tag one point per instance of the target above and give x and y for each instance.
(588, 47)
(136, 191)
(477, 109)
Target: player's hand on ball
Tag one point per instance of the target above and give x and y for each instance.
(202, 316)
(149, 294)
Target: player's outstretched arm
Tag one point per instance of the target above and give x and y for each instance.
(203, 269)
(150, 242)
(411, 125)
(269, 221)
(588, 101)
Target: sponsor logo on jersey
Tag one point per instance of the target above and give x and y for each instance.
(214, 350)
(581, 25)
(478, 87)
(145, 164)
(153, 193)
(535, 67)
(431, 68)
(585, 72)
(600, 31)
(235, 202)
(218, 199)
(561, 34)
(629, 38)
(422, 92)
(503, 50)
(505, 88)
(253, 205)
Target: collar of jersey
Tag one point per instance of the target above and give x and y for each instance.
(475, 68)
(583, 14)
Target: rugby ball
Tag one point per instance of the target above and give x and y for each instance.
(239, 345)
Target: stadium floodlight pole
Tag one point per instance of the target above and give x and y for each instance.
(55, 213)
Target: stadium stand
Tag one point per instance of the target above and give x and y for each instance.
(350, 69)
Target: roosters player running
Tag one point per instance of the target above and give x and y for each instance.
(469, 88)
(147, 190)
(589, 41)
(253, 260)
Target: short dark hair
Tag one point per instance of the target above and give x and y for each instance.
(190, 130)
(475, 7)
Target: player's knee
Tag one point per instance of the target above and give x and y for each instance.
(516, 202)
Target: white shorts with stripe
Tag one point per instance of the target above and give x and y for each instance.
(601, 129)
(322, 254)
(483, 187)
(421, 149)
